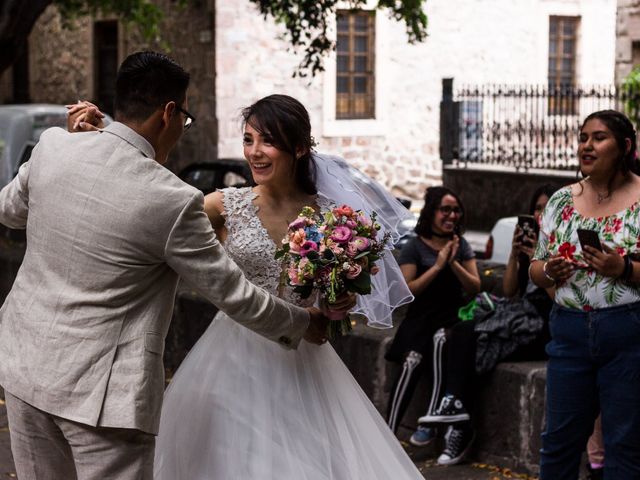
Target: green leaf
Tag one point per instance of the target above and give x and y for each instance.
(306, 24)
(361, 284)
(612, 293)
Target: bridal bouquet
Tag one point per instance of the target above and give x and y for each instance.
(332, 253)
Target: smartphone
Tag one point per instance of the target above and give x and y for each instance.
(589, 237)
(529, 226)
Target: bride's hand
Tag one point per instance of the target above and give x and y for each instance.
(83, 117)
(343, 304)
(317, 329)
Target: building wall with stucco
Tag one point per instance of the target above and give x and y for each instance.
(472, 41)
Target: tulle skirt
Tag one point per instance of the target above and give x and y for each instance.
(243, 408)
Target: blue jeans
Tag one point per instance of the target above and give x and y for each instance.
(594, 364)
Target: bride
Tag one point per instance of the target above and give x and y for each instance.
(241, 407)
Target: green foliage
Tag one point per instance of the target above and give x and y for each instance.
(631, 95)
(307, 24)
(142, 13)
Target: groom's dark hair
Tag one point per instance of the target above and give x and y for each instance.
(146, 81)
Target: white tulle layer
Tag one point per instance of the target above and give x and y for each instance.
(243, 408)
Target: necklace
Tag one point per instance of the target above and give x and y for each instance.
(599, 196)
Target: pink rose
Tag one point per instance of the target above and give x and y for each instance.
(361, 243)
(364, 220)
(336, 249)
(341, 234)
(352, 250)
(351, 224)
(353, 271)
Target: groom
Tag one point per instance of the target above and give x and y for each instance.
(109, 231)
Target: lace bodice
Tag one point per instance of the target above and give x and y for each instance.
(249, 245)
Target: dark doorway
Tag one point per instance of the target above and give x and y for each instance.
(21, 77)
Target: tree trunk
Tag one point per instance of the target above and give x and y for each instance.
(17, 18)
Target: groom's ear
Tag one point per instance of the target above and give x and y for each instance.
(168, 112)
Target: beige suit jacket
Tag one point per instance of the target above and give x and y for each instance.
(109, 231)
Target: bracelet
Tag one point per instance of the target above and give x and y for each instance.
(546, 274)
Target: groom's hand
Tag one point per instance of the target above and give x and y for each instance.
(83, 117)
(317, 329)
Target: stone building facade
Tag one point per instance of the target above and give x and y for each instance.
(236, 56)
(627, 37)
(66, 64)
(474, 42)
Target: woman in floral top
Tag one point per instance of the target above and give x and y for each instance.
(594, 353)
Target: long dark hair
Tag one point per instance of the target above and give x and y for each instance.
(432, 200)
(622, 129)
(286, 121)
(523, 262)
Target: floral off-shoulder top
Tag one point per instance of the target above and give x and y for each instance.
(586, 289)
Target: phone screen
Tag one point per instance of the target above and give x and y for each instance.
(529, 227)
(590, 238)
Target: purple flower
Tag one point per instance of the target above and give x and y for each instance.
(308, 246)
(341, 234)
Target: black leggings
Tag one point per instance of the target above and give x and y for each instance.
(415, 365)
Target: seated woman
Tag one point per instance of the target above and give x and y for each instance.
(475, 347)
(439, 267)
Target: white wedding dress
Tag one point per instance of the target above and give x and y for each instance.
(241, 407)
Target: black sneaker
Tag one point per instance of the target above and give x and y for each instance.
(451, 410)
(458, 440)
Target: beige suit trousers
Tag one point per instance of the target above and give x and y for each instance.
(47, 447)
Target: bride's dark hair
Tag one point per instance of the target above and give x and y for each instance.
(285, 120)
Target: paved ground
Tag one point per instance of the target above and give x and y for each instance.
(423, 457)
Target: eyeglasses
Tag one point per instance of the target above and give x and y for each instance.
(188, 121)
(447, 210)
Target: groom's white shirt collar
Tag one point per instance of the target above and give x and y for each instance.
(131, 136)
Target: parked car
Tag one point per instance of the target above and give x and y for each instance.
(20, 129)
(224, 172)
(499, 243)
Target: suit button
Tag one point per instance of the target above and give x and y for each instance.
(285, 340)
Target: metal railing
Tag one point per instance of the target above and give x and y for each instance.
(521, 127)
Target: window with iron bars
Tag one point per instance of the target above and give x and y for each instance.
(355, 67)
(563, 41)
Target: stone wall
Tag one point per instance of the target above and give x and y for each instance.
(627, 33)
(500, 41)
(490, 195)
(61, 64)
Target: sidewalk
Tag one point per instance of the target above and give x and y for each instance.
(423, 457)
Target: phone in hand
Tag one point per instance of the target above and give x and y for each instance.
(529, 226)
(590, 238)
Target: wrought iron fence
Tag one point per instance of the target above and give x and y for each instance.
(521, 127)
